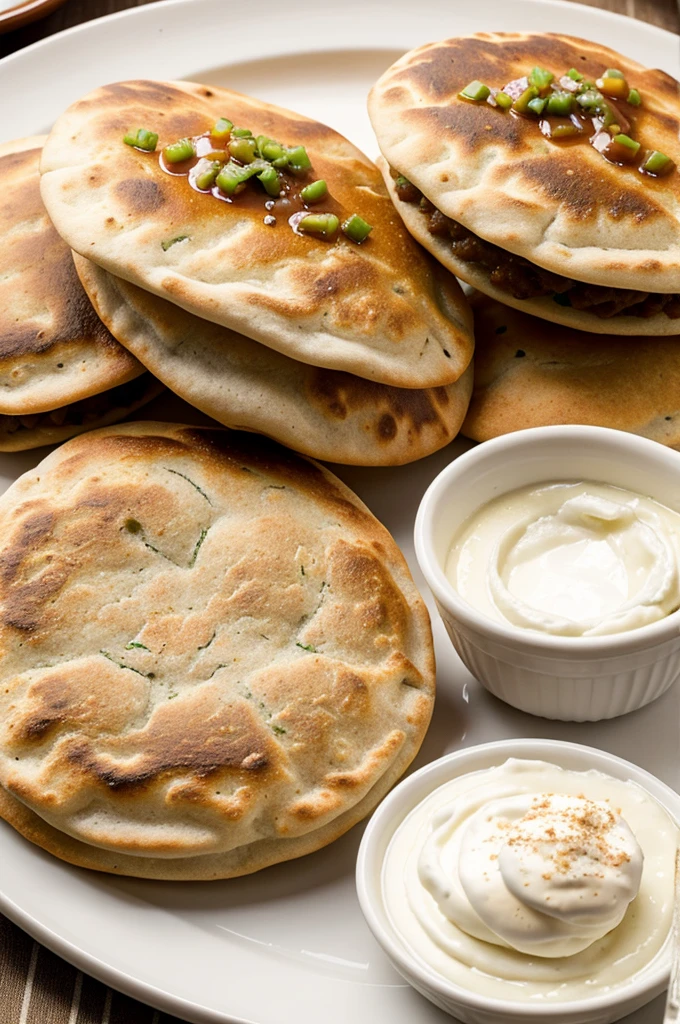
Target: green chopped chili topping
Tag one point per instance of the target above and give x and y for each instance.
(475, 91)
(243, 149)
(401, 181)
(560, 104)
(222, 128)
(246, 156)
(562, 131)
(298, 160)
(232, 175)
(537, 105)
(270, 179)
(590, 99)
(656, 163)
(178, 151)
(356, 228)
(541, 78)
(206, 173)
(306, 647)
(625, 140)
(270, 149)
(230, 178)
(142, 139)
(322, 224)
(165, 246)
(503, 100)
(521, 104)
(575, 100)
(314, 192)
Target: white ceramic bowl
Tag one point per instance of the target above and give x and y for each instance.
(570, 678)
(464, 1004)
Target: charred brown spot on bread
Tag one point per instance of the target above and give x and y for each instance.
(140, 195)
(196, 735)
(584, 193)
(47, 276)
(37, 728)
(23, 339)
(340, 394)
(464, 123)
(387, 427)
(28, 537)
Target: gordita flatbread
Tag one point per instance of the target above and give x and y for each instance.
(214, 656)
(297, 273)
(54, 349)
(61, 370)
(327, 414)
(532, 374)
(581, 229)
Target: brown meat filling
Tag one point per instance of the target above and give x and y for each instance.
(80, 413)
(524, 280)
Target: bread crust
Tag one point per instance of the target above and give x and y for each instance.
(252, 667)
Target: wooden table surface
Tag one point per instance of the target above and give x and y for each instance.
(36, 987)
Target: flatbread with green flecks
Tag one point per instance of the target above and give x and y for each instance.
(252, 667)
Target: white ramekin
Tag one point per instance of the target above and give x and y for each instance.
(464, 1004)
(570, 678)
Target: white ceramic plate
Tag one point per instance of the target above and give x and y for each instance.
(288, 944)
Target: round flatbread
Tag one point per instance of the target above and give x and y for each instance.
(54, 350)
(252, 668)
(19, 433)
(327, 414)
(562, 207)
(380, 310)
(532, 374)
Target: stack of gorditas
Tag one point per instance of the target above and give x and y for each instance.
(252, 260)
(543, 171)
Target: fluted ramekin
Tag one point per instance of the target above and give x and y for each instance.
(569, 678)
(465, 1004)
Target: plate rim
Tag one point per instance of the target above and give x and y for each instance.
(162, 5)
(23, 12)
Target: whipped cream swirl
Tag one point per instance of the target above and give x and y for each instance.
(544, 874)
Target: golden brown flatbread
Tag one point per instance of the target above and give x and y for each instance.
(529, 373)
(214, 656)
(54, 350)
(380, 310)
(327, 414)
(562, 207)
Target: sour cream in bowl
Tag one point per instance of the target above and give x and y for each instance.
(553, 555)
(525, 880)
